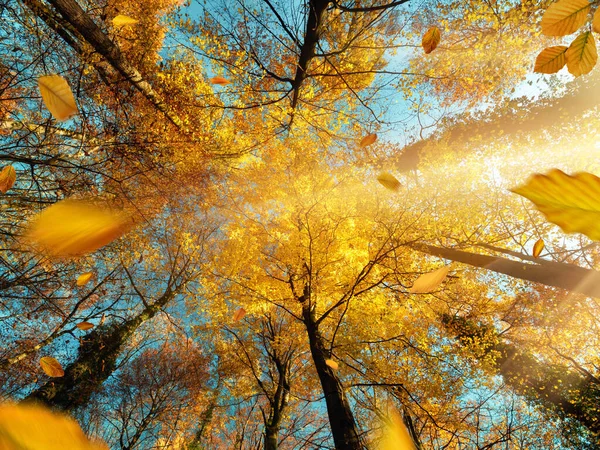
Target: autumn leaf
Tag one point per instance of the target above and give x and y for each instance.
(369, 139)
(429, 282)
(57, 96)
(551, 59)
(31, 426)
(85, 326)
(220, 81)
(72, 228)
(84, 278)
(389, 181)
(571, 202)
(103, 318)
(396, 436)
(331, 363)
(582, 55)
(596, 21)
(51, 367)
(431, 39)
(239, 315)
(8, 176)
(538, 247)
(121, 20)
(565, 17)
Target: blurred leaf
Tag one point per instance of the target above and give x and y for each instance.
(122, 20)
(367, 140)
(571, 202)
(431, 39)
(396, 436)
(8, 176)
(239, 315)
(51, 367)
(551, 59)
(57, 96)
(220, 81)
(538, 247)
(596, 21)
(582, 54)
(331, 363)
(565, 17)
(33, 427)
(85, 326)
(84, 278)
(429, 282)
(72, 228)
(389, 181)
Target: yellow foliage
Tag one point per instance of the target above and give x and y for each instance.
(431, 39)
(582, 54)
(57, 96)
(551, 59)
(51, 367)
(8, 176)
(565, 17)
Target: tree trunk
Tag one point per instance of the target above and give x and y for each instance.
(96, 361)
(271, 437)
(565, 276)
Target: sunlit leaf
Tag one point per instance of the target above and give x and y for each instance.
(396, 436)
(85, 326)
(538, 247)
(220, 81)
(8, 176)
(431, 39)
(331, 363)
(551, 59)
(565, 17)
(33, 427)
(389, 181)
(571, 202)
(582, 54)
(239, 315)
(367, 140)
(57, 96)
(84, 278)
(122, 20)
(429, 282)
(72, 228)
(596, 21)
(51, 367)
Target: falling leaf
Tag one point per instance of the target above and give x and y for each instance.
(396, 436)
(389, 181)
(84, 278)
(72, 228)
(85, 326)
(103, 318)
(367, 140)
(31, 426)
(428, 282)
(8, 176)
(57, 96)
(571, 202)
(121, 20)
(239, 315)
(596, 21)
(565, 17)
(582, 54)
(331, 363)
(431, 39)
(551, 59)
(51, 367)
(220, 80)
(538, 247)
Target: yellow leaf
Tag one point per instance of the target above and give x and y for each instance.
(85, 326)
(565, 17)
(551, 59)
(396, 436)
(121, 20)
(389, 181)
(428, 282)
(581, 54)
(72, 228)
(596, 21)
(571, 202)
(51, 367)
(367, 140)
(30, 426)
(220, 80)
(431, 39)
(239, 315)
(8, 176)
(57, 96)
(538, 247)
(84, 278)
(331, 363)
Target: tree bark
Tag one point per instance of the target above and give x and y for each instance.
(565, 276)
